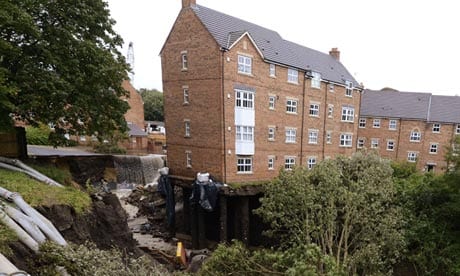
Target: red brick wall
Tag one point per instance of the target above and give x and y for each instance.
(135, 113)
(278, 86)
(204, 110)
(403, 145)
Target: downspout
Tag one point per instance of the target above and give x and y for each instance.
(399, 138)
(326, 108)
(223, 50)
(359, 115)
(303, 119)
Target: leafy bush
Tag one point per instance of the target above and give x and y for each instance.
(38, 135)
(87, 259)
(345, 206)
(236, 259)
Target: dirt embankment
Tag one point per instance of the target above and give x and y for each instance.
(105, 225)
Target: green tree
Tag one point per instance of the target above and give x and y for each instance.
(153, 104)
(432, 209)
(346, 206)
(60, 64)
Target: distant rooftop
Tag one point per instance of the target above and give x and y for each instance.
(410, 105)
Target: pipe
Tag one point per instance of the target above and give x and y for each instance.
(6, 267)
(22, 235)
(26, 223)
(43, 223)
(30, 171)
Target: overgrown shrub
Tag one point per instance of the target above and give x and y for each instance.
(236, 259)
(38, 135)
(87, 259)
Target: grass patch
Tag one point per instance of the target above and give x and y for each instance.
(39, 194)
(61, 176)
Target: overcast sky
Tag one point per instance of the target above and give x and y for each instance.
(409, 45)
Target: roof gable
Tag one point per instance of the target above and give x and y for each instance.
(273, 48)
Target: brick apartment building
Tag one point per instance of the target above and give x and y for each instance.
(241, 102)
(407, 126)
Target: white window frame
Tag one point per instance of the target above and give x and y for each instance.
(272, 70)
(314, 109)
(346, 140)
(412, 156)
(374, 143)
(244, 164)
(186, 95)
(311, 162)
(348, 88)
(187, 128)
(289, 162)
(271, 102)
(390, 145)
(291, 106)
(293, 76)
(415, 136)
(271, 133)
(348, 114)
(184, 60)
(392, 124)
(244, 99)
(376, 123)
(362, 122)
(436, 128)
(434, 148)
(244, 64)
(360, 143)
(188, 159)
(315, 79)
(313, 135)
(291, 135)
(271, 162)
(457, 129)
(328, 137)
(244, 133)
(330, 110)
(82, 138)
(331, 87)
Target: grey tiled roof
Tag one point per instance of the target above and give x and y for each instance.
(227, 29)
(410, 105)
(445, 109)
(395, 104)
(134, 130)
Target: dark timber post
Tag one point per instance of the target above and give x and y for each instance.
(223, 218)
(245, 220)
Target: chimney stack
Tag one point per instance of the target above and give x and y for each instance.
(335, 53)
(188, 3)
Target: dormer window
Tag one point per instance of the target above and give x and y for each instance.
(348, 88)
(316, 80)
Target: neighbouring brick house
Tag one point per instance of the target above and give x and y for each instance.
(241, 102)
(138, 137)
(407, 126)
(137, 141)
